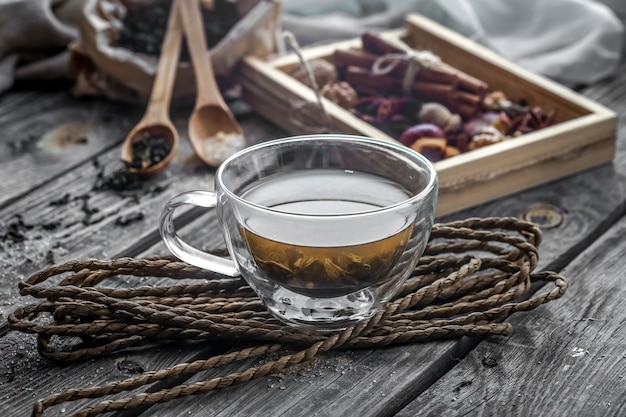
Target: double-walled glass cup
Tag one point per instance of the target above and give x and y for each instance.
(324, 228)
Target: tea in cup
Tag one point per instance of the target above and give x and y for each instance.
(324, 228)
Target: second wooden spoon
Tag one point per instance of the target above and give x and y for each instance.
(213, 130)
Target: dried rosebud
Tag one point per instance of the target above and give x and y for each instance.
(389, 107)
(438, 114)
(323, 71)
(529, 121)
(484, 137)
(422, 130)
(540, 118)
(340, 92)
(432, 148)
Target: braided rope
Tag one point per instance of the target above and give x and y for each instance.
(472, 276)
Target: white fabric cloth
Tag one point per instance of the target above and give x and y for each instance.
(571, 41)
(35, 32)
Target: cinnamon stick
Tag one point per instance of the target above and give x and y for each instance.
(364, 81)
(378, 45)
(471, 84)
(353, 57)
(466, 98)
(437, 75)
(438, 92)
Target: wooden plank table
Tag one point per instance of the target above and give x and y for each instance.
(565, 358)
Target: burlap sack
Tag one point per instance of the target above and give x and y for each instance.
(33, 38)
(99, 68)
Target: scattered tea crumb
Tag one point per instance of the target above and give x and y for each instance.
(51, 225)
(120, 180)
(89, 211)
(129, 218)
(130, 367)
(157, 189)
(489, 362)
(21, 146)
(14, 231)
(50, 257)
(85, 206)
(61, 201)
(90, 219)
(133, 200)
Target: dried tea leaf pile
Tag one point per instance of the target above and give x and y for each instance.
(144, 27)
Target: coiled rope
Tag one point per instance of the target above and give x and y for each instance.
(474, 274)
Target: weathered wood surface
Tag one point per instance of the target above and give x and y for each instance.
(45, 135)
(566, 359)
(368, 382)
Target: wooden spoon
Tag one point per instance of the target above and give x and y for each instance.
(213, 130)
(156, 119)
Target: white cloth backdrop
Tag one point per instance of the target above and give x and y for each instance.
(572, 41)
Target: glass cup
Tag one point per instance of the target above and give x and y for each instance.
(324, 228)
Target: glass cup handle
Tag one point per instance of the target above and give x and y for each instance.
(185, 251)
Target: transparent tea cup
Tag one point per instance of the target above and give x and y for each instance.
(324, 228)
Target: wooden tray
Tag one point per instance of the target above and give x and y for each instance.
(583, 136)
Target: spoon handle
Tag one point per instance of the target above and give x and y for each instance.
(207, 90)
(161, 95)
